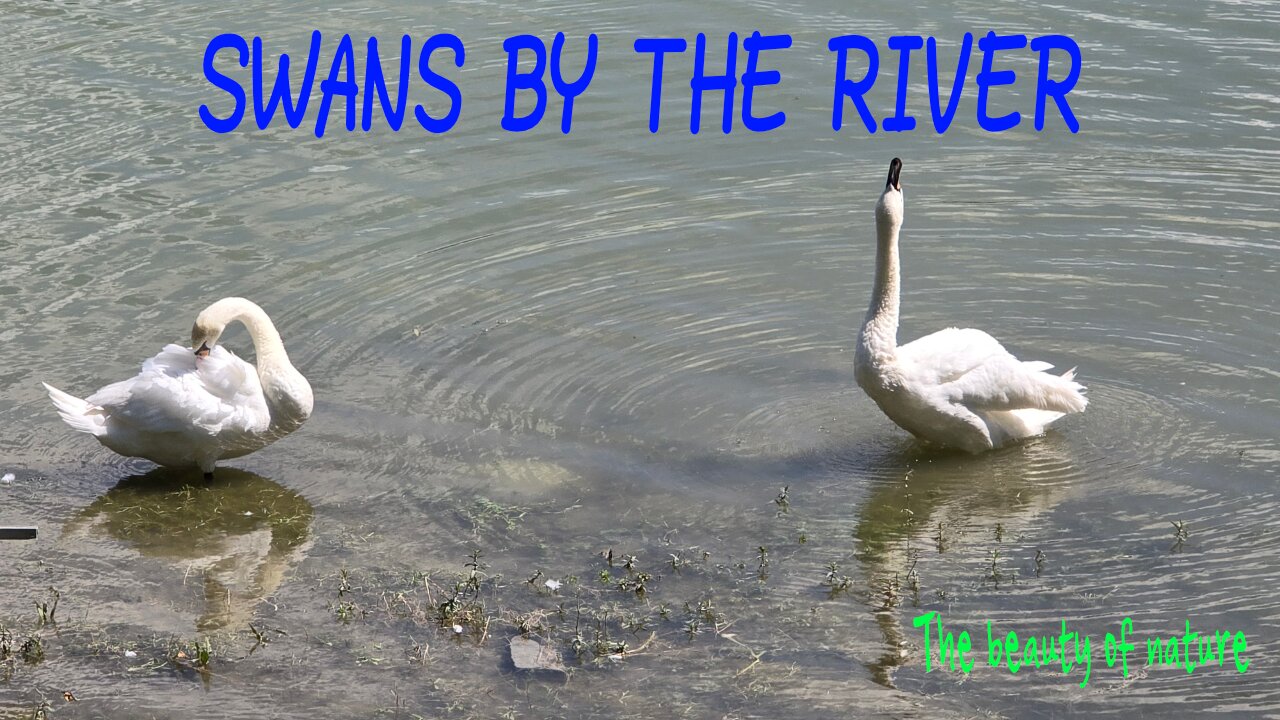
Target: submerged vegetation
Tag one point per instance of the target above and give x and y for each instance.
(758, 604)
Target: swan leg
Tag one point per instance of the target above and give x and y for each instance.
(208, 476)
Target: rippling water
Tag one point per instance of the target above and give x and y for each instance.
(547, 346)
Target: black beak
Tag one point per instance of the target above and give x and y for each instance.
(895, 169)
(203, 350)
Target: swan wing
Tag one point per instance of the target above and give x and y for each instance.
(176, 393)
(1003, 383)
(947, 355)
(971, 368)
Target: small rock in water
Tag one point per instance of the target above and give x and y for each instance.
(529, 654)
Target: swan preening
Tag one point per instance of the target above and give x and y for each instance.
(957, 387)
(190, 407)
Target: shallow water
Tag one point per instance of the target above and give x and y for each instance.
(547, 347)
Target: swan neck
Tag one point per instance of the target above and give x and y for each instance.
(287, 392)
(268, 348)
(880, 329)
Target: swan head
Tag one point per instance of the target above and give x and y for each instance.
(889, 208)
(204, 336)
(212, 321)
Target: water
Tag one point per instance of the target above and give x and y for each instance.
(546, 347)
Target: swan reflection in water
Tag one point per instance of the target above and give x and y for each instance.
(239, 533)
(947, 503)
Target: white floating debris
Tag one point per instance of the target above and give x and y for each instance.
(553, 585)
(457, 629)
(130, 654)
(7, 478)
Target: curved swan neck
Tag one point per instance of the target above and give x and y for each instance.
(880, 328)
(267, 345)
(287, 392)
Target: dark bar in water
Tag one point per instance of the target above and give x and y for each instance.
(17, 533)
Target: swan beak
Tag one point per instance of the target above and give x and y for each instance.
(895, 170)
(203, 351)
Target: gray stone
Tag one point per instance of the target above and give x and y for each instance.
(529, 654)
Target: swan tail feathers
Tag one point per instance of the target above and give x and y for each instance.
(1059, 395)
(1063, 394)
(81, 415)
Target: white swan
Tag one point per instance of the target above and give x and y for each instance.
(957, 387)
(194, 406)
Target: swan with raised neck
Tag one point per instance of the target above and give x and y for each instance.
(956, 387)
(878, 338)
